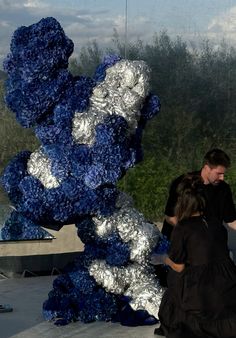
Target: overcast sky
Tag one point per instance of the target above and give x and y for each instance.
(87, 20)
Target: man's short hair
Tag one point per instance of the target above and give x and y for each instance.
(215, 157)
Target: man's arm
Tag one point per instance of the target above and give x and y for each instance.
(229, 208)
(232, 225)
(157, 259)
(174, 266)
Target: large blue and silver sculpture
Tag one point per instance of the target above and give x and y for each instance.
(90, 131)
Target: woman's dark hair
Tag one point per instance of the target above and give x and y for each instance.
(190, 197)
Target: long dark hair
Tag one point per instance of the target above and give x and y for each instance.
(190, 197)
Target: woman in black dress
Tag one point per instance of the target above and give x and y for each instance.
(201, 297)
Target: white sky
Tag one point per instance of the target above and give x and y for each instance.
(88, 20)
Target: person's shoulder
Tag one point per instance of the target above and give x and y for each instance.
(178, 179)
(224, 185)
(196, 172)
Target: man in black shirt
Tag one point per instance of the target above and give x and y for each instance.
(219, 201)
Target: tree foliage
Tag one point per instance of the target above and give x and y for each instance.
(13, 137)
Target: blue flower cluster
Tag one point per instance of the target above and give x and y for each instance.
(44, 95)
(37, 70)
(13, 174)
(18, 227)
(76, 296)
(56, 127)
(110, 247)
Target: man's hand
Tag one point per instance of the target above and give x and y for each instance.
(232, 225)
(157, 259)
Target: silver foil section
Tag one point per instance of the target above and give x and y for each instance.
(146, 295)
(39, 166)
(122, 92)
(136, 280)
(132, 227)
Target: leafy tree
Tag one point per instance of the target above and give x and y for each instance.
(14, 138)
(148, 184)
(74, 67)
(90, 57)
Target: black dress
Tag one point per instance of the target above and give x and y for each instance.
(201, 300)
